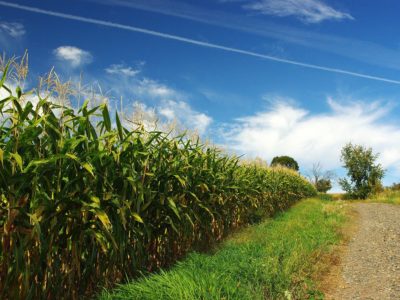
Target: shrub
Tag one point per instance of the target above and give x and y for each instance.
(322, 180)
(285, 161)
(364, 174)
(323, 185)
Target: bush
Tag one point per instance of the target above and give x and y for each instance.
(364, 174)
(285, 161)
(323, 185)
(322, 180)
(85, 202)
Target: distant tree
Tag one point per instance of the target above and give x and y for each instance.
(322, 180)
(323, 185)
(285, 161)
(364, 174)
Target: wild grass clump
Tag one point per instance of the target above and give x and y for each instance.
(389, 195)
(280, 258)
(86, 202)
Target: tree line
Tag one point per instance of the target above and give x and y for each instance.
(364, 174)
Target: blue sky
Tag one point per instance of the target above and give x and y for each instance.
(259, 77)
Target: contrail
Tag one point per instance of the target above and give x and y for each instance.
(192, 41)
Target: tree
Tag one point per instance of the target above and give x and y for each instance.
(285, 161)
(322, 180)
(323, 185)
(364, 174)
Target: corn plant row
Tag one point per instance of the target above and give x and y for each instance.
(85, 202)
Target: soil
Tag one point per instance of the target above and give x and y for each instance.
(369, 264)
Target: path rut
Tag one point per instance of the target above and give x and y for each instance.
(370, 266)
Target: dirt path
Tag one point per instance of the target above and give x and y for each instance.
(370, 263)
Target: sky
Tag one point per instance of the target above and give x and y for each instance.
(259, 78)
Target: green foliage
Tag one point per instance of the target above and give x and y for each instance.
(285, 161)
(276, 259)
(364, 174)
(323, 185)
(395, 186)
(86, 202)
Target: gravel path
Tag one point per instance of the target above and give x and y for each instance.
(370, 267)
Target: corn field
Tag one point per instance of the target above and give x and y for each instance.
(86, 202)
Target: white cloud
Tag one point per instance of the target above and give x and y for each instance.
(289, 130)
(167, 112)
(184, 113)
(309, 11)
(157, 101)
(168, 116)
(13, 29)
(172, 105)
(122, 70)
(74, 56)
(154, 89)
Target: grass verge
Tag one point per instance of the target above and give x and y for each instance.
(276, 259)
(388, 196)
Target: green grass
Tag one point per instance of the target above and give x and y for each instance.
(276, 259)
